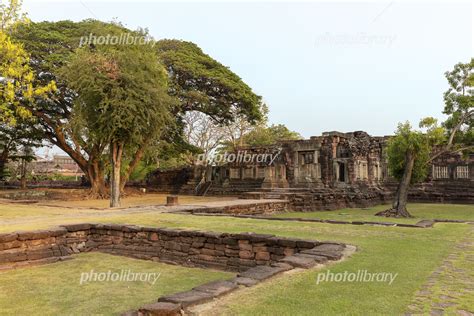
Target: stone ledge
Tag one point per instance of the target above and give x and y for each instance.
(188, 298)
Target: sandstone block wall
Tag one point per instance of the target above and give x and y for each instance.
(232, 252)
(246, 209)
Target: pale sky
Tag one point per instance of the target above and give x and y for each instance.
(320, 66)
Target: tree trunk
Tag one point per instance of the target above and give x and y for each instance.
(116, 162)
(3, 162)
(399, 206)
(95, 175)
(132, 165)
(23, 172)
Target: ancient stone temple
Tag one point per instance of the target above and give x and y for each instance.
(331, 160)
(324, 172)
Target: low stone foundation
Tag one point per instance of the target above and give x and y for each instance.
(326, 199)
(261, 208)
(231, 252)
(255, 256)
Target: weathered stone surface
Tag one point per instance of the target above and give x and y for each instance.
(263, 255)
(78, 227)
(317, 258)
(306, 243)
(187, 298)
(35, 234)
(425, 223)
(284, 266)
(245, 281)
(261, 272)
(8, 237)
(217, 288)
(330, 251)
(160, 309)
(299, 261)
(286, 242)
(57, 231)
(245, 254)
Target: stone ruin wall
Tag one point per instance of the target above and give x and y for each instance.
(256, 257)
(230, 252)
(319, 186)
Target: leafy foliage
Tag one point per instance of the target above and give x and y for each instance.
(121, 93)
(195, 80)
(203, 84)
(459, 103)
(17, 81)
(419, 143)
(270, 135)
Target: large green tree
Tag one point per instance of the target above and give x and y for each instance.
(196, 81)
(410, 152)
(122, 100)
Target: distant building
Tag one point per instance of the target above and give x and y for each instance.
(60, 164)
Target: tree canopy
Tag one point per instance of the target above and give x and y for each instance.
(195, 80)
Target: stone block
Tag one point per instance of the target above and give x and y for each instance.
(160, 309)
(260, 248)
(217, 288)
(57, 231)
(262, 255)
(261, 272)
(8, 237)
(330, 251)
(153, 236)
(245, 254)
(317, 258)
(11, 244)
(172, 200)
(39, 254)
(287, 242)
(306, 243)
(186, 299)
(245, 281)
(299, 262)
(244, 245)
(230, 241)
(77, 227)
(231, 252)
(35, 234)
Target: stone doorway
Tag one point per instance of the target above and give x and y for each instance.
(341, 177)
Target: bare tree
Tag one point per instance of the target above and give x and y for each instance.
(202, 131)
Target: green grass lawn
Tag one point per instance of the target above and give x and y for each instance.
(412, 253)
(418, 210)
(55, 289)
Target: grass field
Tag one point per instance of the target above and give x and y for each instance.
(55, 289)
(412, 253)
(419, 211)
